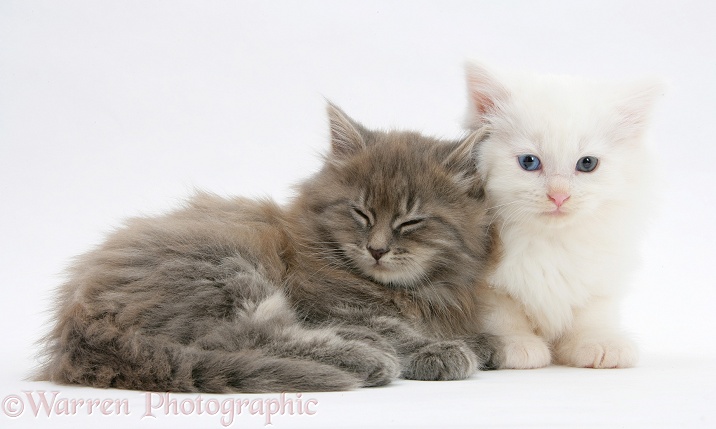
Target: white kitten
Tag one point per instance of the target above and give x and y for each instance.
(567, 177)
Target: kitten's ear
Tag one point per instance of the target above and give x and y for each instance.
(346, 138)
(635, 106)
(461, 160)
(486, 95)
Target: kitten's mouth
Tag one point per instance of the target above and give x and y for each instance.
(558, 212)
(379, 267)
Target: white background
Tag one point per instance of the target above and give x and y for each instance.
(110, 109)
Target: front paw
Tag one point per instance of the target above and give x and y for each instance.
(374, 366)
(592, 351)
(375, 360)
(446, 360)
(487, 349)
(524, 352)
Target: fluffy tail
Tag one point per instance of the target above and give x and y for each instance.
(152, 363)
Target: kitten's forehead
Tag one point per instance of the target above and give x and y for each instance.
(403, 200)
(561, 146)
(401, 171)
(560, 108)
(394, 172)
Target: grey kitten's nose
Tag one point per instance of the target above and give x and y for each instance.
(377, 253)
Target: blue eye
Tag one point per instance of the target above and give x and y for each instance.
(529, 162)
(587, 164)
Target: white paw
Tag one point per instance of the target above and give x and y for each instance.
(597, 352)
(525, 352)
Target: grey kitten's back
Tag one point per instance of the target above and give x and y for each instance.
(184, 303)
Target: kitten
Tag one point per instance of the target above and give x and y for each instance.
(366, 275)
(566, 175)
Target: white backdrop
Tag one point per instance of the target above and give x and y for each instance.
(110, 109)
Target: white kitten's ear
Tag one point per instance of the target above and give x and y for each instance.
(635, 107)
(346, 138)
(461, 161)
(486, 94)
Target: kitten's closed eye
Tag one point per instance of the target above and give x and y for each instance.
(410, 225)
(362, 217)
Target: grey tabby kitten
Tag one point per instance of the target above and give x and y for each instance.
(367, 275)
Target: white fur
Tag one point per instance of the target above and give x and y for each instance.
(560, 277)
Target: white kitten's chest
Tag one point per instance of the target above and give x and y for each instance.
(551, 274)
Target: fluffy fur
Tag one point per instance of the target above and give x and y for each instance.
(365, 276)
(568, 238)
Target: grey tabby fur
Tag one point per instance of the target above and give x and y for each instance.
(367, 275)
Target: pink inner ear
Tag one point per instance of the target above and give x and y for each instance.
(482, 101)
(635, 110)
(485, 91)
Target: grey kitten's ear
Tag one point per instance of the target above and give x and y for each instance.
(486, 95)
(635, 106)
(461, 160)
(346, 138)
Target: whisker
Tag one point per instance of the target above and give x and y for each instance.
(515, 214)
(503, 205)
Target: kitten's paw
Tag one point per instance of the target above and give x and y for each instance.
(446, 360)
(487, 349)
(375, 366)
(524, 352)
(597, 352)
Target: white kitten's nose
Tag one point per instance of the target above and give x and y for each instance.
(558, 198)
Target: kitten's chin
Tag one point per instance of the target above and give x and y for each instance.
(557, 218)
(390, 277)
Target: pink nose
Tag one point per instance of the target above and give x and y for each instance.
(558, 199)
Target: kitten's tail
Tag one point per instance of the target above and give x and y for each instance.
(154, 364)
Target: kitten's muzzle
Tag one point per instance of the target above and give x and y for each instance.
(377, 253)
